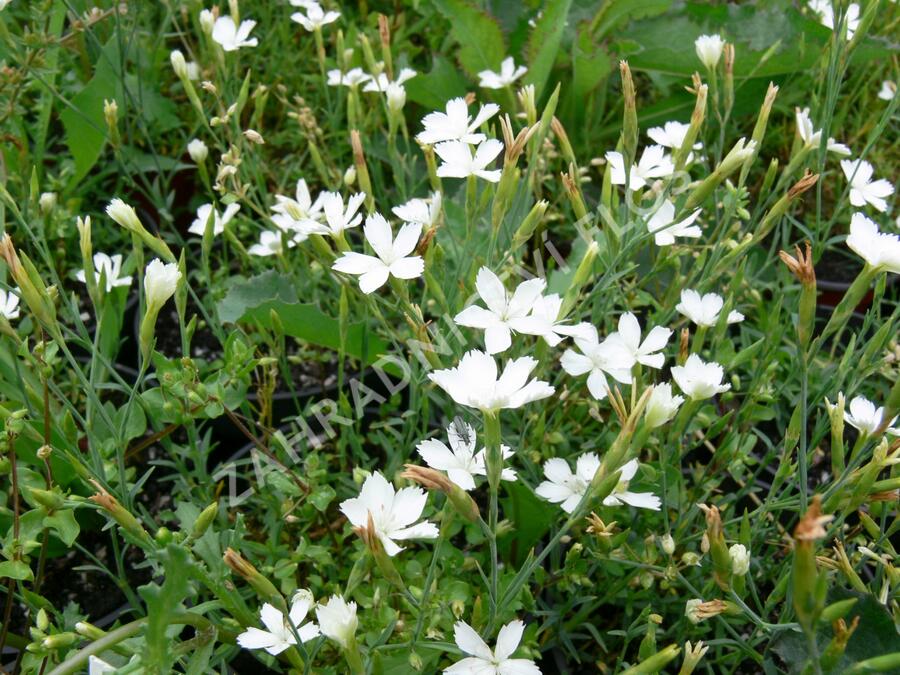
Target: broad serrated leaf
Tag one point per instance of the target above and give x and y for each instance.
(481, 42)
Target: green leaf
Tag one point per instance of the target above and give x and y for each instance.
(322, 497)
(435, 88)
(64, 524)
(84, 122)
(531, 516)
(543, 43)
(15, 569)
(481, 42)
(255, 299)
(162, 602)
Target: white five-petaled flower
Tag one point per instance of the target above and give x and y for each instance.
(426, 212)
(392, 255)
(110, 267)
(232, 37)
(337, 620)
(663, 226)
(9, 305)
(671, 135)
(508, 74)
(279, 633)
(565, 487)
(709, 49)
(621, 495)
(888, 90)
(483, 660)
(459, 161)
(598, 359)
(811, 138)
(862, 188)
(204, 212)
(315, 17)
(294, 214)
(865, 417)
(393, 512)
(704, 310)
(460, 460)
(160, 281)
(826, 15)
(879, 249)
(698, 379)
(337, 217)
(645, 352)
(352, 78)
(270, 243)
(455, 124)
(381, 82)
(504, 312)
(654, 163)
(661, 406)
(545, 321)
(474, 382)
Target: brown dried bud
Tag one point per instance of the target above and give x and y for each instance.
(437, 480)
(515, 145)
(684, 345)
(809, 179)
(470, 97)
(801, 266)
(812, 524)
(598, 528)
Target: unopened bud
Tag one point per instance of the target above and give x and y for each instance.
(437, 480)
(254, 137)
(179, 65)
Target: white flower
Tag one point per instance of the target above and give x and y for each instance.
(96, 665)
(862, 188)
(544, 321)
(337, 620)
(352, 78)
(888, 90)
(740, 559)
(598, 359)
(393, 512)
(279, 634)
(483, 661)
(508, 74)
(734, 316)
(270, 243)
(504, 311)
(381, 81)
(455, 124)
(315, 17)
(110, 267)
(654, 163)
(425, 212)
(337, 218)
(160, 282)
(662, 224)
(232, 37)
(866, 418)
(565, 487)
(125, 215)
(392, 255)
(474, 382)
(459, 162)
(661, 406)
(698, 379)
(460, 460)
(620, 494)
(643, 352)
(702, 310)
(709, 49)
(9, 305)
(197, 150)
(811, 138)
(671, 135)
(296, 215)
(826, 15)
(879, 249)
(198, 227)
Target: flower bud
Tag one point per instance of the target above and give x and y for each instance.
(89, 630)
(667, 544)
(718, 550)
(349, 177)
(179, 65)
(198, 151)
(59, 640)
(47, 202)
(529, 224)
(396, 96)
(204, 520)
(254, 137)
(436, 480)
(120, 514)
(207, 21)
(266, 590)
(740, 559)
